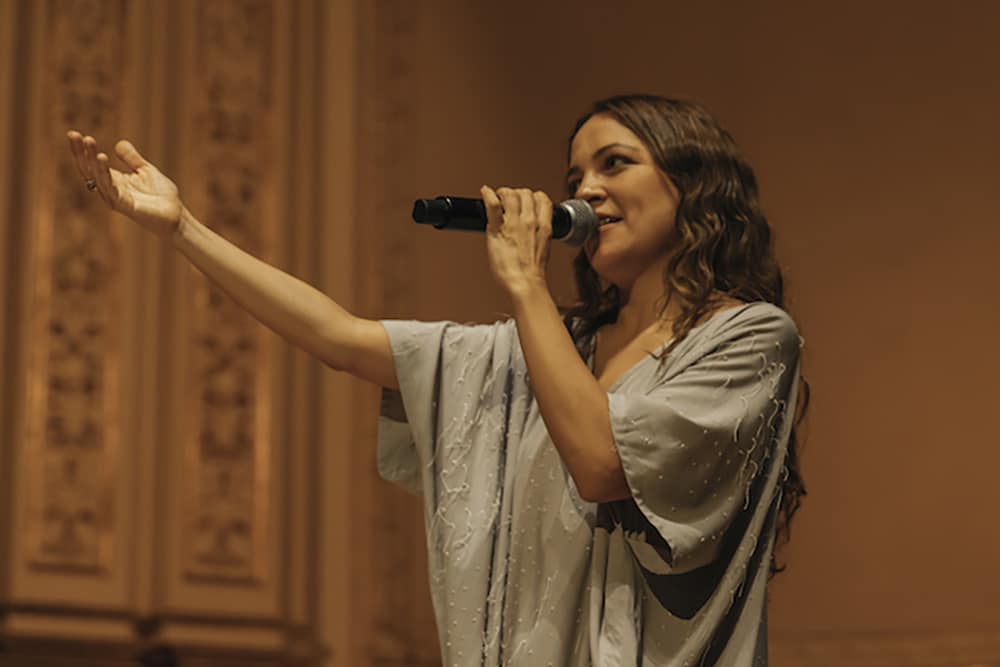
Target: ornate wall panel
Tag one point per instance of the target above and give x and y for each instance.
(74, 438)
(69, 446)
(9, 17)
(225, 528)
(149, 500)
(230, 442)
(9, 387)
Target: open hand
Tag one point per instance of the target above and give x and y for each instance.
(144, 194)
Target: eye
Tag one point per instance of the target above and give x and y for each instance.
(614, 161)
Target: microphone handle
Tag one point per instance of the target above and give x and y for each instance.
(467, 214)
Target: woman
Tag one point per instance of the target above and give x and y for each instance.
(600, 487)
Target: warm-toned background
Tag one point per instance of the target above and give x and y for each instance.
(171, 474)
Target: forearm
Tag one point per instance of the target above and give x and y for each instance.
(573, 405)
(290, 307)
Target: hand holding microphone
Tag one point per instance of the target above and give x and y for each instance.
(573, 220)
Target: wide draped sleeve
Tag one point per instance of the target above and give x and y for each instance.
(449, 418)
(693, 443)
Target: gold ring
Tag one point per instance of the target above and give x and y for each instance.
(91, 184)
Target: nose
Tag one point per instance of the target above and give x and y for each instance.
(590, 190)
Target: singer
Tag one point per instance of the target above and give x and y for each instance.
(603, 485)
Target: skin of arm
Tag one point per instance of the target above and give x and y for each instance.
(573, 405)
(293, 309)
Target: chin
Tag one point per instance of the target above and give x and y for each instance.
(609, 270)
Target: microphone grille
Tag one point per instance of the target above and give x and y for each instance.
(583, 221)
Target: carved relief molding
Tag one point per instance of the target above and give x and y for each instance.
(73, 434)
(228, 447)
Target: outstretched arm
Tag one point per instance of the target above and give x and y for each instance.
(290, 307)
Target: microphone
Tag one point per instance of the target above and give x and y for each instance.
(573, 220)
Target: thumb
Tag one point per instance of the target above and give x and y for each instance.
(129, 155)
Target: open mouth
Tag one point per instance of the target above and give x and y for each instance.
(603, 221)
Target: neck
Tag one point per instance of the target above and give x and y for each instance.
(641, 303)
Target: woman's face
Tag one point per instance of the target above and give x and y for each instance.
(613, 170)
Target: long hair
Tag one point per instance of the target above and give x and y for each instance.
(721, 241)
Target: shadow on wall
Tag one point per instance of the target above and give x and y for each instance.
(160, 656)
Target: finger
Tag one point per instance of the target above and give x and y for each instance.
(105, 186)
(89, 157)
(494, 208)
(511, 204)
(543, 209)
(76, 148)
(129, 155)
(526, 204)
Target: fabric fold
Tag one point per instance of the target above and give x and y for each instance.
(522, 570)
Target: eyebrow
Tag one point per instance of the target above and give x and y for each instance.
(603, 149)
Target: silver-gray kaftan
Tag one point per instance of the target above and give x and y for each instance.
(524, 572)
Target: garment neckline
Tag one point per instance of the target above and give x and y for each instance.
(655, 354)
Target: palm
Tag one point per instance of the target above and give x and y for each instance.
(141, 192)
(148, 197)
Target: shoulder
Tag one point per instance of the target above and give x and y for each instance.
(760, 322)
(757, 320)
(761, 314)
(446, 332)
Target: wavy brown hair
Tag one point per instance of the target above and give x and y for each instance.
(721, 240)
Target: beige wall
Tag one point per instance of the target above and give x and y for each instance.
(872, 130)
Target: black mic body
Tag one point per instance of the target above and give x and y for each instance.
(573, 220)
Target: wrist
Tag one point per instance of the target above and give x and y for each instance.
(528, 289)
(185, 223)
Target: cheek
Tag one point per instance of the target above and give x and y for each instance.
(651, 222)
(663, 216)
(654, 211)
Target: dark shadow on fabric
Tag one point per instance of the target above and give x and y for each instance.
(682, 594)
(725, 630)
